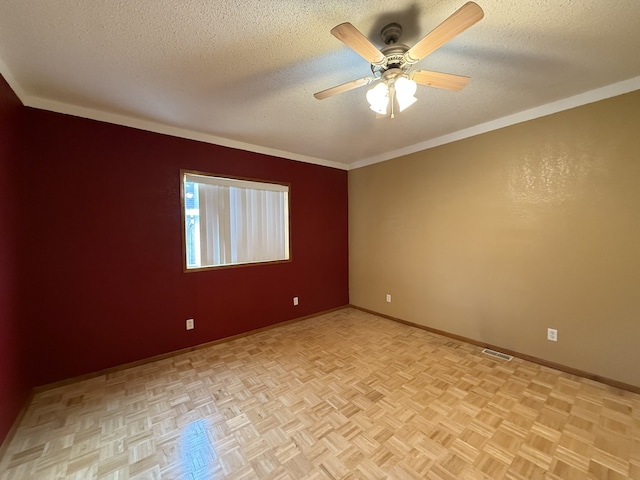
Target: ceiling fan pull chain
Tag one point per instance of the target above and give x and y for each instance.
(392, 99)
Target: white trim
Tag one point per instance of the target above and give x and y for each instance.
(15, 86)
(585, 98)
(156, 127)
(591, 96)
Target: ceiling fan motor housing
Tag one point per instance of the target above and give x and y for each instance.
(394, 58)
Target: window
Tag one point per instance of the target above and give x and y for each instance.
(230, 221)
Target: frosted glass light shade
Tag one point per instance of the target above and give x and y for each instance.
(378, 98)
(405, 89)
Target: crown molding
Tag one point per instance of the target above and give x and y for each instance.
(574, 101)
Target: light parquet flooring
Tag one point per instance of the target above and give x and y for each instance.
(346, 395)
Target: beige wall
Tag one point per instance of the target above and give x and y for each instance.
(499, 236)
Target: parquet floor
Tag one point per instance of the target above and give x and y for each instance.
(345, 395)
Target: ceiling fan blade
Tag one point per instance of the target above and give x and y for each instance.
(352, 38)
(447, 81)
(345, 87)
(467, 15)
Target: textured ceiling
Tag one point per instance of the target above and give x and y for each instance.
(243, 73)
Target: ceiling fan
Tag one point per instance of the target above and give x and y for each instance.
(391, 67)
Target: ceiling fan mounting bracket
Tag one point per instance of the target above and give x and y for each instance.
(390, 34)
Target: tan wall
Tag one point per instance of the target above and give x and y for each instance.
(499, 236)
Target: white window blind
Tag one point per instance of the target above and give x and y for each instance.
(229, 221)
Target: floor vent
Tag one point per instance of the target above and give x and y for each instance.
(493, 353)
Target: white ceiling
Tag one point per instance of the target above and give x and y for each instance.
(243, 73)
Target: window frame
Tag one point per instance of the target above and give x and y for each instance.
(183, 220)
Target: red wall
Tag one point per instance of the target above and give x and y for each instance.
(14, 381)
(104, 247)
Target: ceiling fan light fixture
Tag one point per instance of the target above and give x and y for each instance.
(392, 89)
(378, 98)
(405, 91)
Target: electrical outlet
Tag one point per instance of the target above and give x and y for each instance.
(295, 300)
(388, 298)
(190, 324)
(552, 334)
